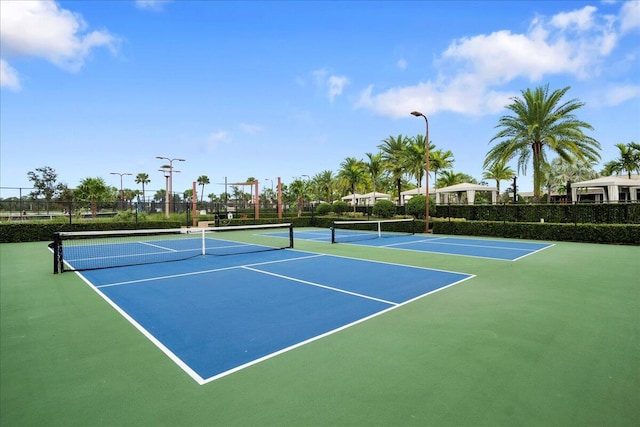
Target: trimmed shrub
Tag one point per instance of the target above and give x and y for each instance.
(416, 207)
(323, 209)
(384, 209)
(340, 207)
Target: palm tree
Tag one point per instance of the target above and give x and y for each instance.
(629, 160)
(393, 156)
(439, 160)
(297, 189)
(142, 178)
(500, 172)
(374, 167)
(414, 157)
(202, 181)
(542, 123)
(95, 190)
(561, 173)
(352, 172)
(160, 195)
(449, 178)
(324, 183)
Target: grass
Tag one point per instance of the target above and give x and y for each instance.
(550, 340)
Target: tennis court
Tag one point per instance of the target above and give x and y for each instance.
(508, 250)
(361, 334)
(214, 315)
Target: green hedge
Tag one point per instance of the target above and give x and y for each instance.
(593, 213)
(594, 233)
(34, 232)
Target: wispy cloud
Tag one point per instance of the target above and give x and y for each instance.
(152, 5)
(251, 128)
(216, 139)
(333, 84)
(474, 71)
(8, 76)
(43, 30)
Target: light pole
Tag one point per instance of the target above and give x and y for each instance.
(269, 179)
(426, 161)
(167, 173)
(170, 167)
(121, 189)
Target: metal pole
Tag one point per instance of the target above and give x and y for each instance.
(426, 161)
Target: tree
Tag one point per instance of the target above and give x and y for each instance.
(542, 122)
(561, 173)
(352, 172)
(325, 182)
(44, 181)
(202, 181)
(439, 160)
(160, 195)
(628, 160)
(393, 156)
(94, 190)
(142, 178)
(297, 190)
(414, 158)
(499, 171)
(374, 167)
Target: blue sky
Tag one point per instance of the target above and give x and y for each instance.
(268, 89)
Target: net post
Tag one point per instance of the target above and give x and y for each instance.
(291, 236)
(379, 228)
(333, 232)
(57, 254)
(204, 243)
(56, 251)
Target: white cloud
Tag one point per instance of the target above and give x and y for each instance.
(333, 84)
(251, 128)
(336, 85)
(402, 64)
(153, 5)
(630, 16)
(616, 95)
(8, 76)
(41, 29)
(472, 69)
(216, 139)
(581, 19)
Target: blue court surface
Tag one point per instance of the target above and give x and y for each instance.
(508, 250)
(214, 315)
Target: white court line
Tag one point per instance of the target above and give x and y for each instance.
(326, 334)
(194, 273)
(200, 380)
(293, 279)
(171, 355)
(158, 246)
(534, 252)
(460, 244)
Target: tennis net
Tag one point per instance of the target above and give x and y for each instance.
(91, 250)
(348, 231)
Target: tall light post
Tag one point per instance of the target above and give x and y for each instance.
(170, 167)
(167, 173)
(269, 179)
(426, 161)
(272, 193)
(121, 175)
